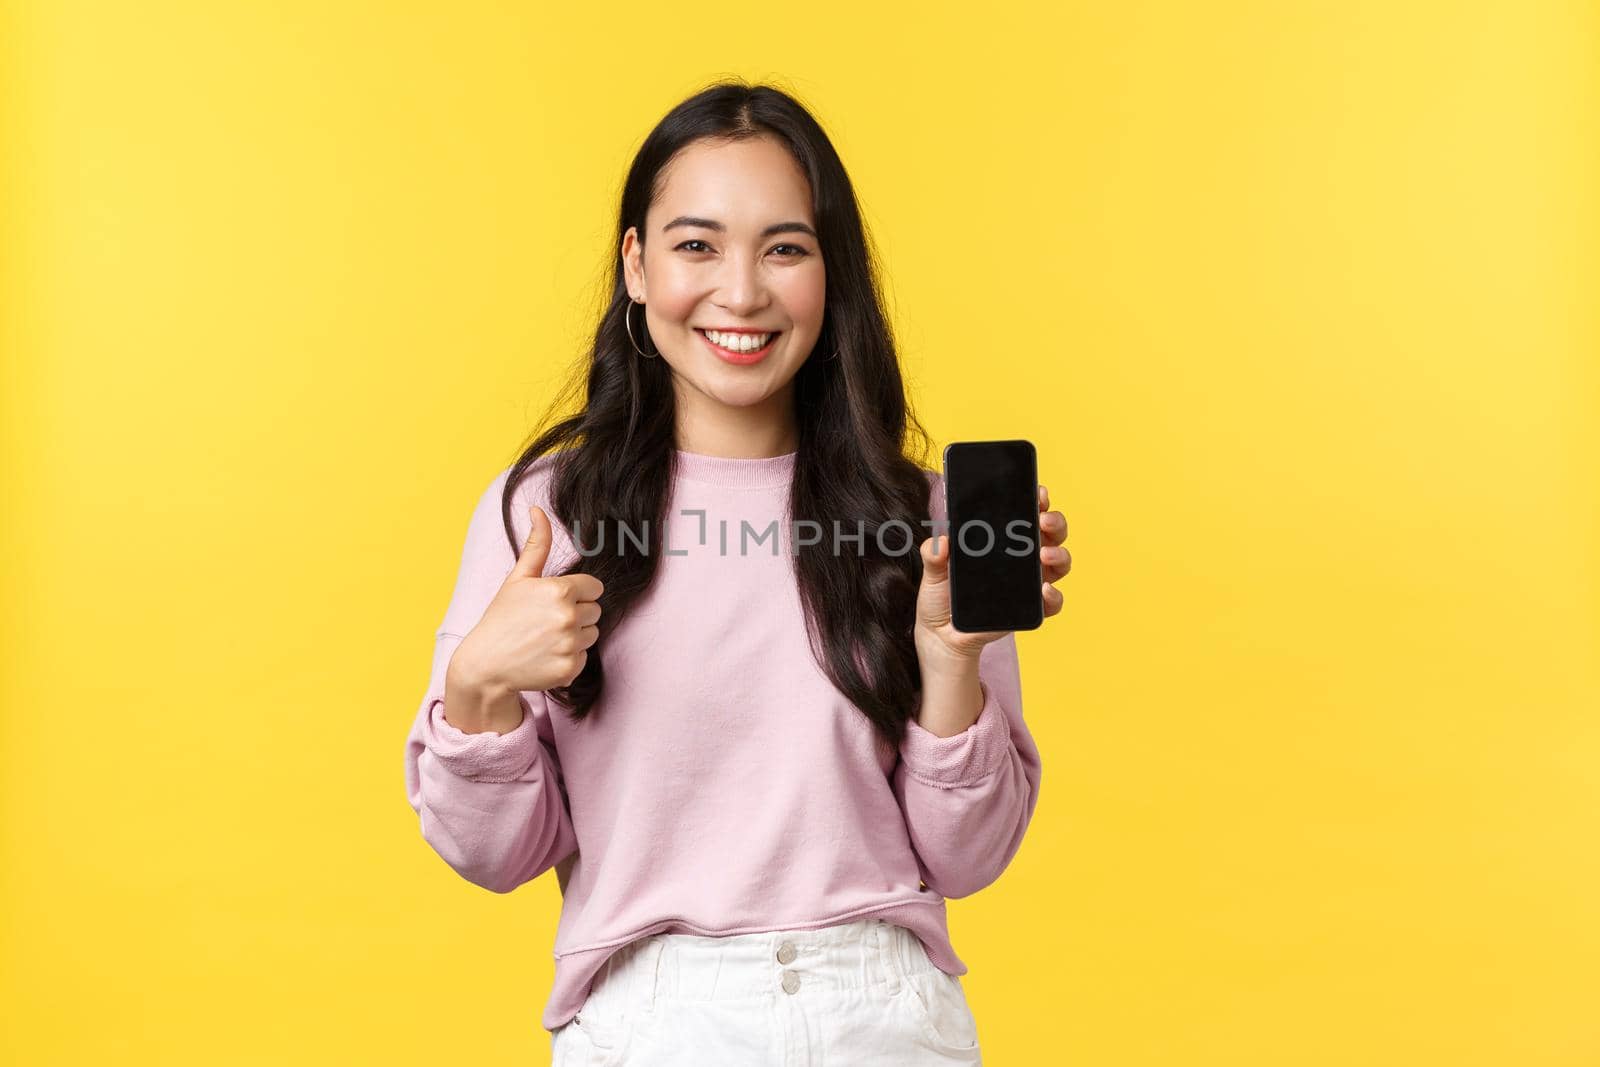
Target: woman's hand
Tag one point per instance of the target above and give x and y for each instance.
(937, 639)
(536, 632)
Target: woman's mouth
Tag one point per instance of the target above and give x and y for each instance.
(736, 347)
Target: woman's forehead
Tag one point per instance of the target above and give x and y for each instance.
(741, 185)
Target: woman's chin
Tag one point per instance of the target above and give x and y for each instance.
(737, 394)
(736, 386)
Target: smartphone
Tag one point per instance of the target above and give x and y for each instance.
(991, 497)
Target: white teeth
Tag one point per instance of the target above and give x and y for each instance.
(739, 342)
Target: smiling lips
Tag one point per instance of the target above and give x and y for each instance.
(740, 355)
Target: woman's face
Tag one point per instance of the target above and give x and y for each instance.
(730, 244)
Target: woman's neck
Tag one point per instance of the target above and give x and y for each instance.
(755, 438)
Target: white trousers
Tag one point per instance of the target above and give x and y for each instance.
(858, 993)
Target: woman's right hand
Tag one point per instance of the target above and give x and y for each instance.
(536, 633)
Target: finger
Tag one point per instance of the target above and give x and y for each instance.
(530, 564)
(936, 560)
(1052, 600)
(1055, 561)
(588, 613)
(582, 587)
(587, 636)
(1053, 527)
(1044, 499)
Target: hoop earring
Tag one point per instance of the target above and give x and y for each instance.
(627, 320)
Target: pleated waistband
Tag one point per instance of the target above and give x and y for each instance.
(852, 955)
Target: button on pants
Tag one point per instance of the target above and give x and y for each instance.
(858, 993)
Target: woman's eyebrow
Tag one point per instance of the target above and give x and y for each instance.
(713, 224)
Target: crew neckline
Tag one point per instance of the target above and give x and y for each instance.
(762, 472)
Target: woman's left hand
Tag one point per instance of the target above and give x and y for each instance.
(936, 636)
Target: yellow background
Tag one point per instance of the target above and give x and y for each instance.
(1296, 299)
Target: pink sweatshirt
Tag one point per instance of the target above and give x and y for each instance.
(722, 785)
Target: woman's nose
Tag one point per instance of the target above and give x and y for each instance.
(740, 286)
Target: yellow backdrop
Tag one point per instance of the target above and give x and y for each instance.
(1297, 301)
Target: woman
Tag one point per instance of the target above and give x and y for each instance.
(694, 663)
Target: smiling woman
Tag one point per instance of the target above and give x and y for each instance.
(789, 760)
(740, 265)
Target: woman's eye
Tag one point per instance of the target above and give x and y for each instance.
(795, 251)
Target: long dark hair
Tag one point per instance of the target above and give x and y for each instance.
(861, 454)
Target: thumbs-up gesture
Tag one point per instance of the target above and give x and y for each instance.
(936, 635)
(536, 633)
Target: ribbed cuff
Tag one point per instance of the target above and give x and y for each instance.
(960, 759)
(487, 756)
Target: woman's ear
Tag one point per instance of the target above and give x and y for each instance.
(633, 263)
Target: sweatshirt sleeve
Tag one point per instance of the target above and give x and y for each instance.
(968, 798)
(491, 805)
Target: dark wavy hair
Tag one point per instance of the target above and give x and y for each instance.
(861, 454)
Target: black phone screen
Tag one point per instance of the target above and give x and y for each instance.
(992, 501)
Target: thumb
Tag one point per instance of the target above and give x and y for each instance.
(531, 563)
(936, 560)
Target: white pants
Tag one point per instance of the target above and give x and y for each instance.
(862, 992)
